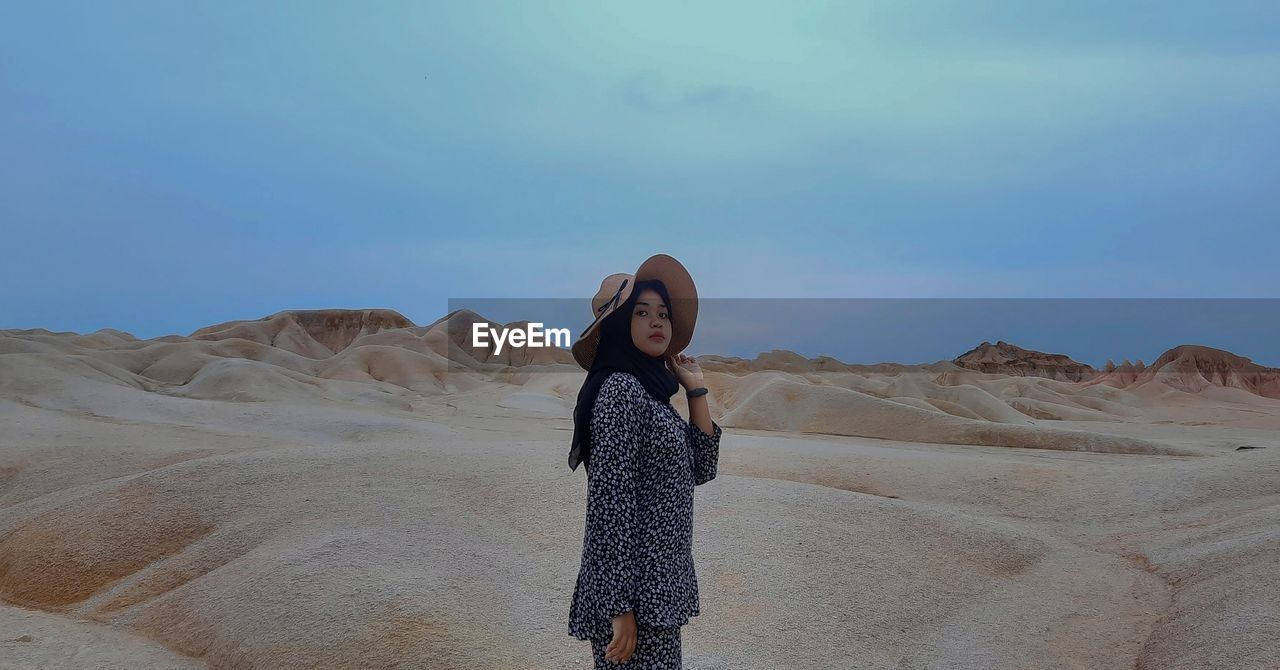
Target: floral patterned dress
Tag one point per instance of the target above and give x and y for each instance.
(637, 549)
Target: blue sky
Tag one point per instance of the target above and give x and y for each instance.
(172, 165)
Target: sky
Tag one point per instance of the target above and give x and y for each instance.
(168, 166)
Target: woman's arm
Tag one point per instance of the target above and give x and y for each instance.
(700, 414)
(704, 434)
(704, 438)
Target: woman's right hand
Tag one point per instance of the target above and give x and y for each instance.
(623, 643)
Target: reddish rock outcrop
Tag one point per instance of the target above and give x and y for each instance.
(1007, 359)
(314, 333)
(1193, 368)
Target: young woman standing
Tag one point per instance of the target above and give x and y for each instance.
(636, 584)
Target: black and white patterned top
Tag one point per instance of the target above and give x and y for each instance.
(637, 548)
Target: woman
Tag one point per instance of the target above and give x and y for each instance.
(636, 584)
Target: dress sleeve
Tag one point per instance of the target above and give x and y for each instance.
(706, 452)
(616, 429)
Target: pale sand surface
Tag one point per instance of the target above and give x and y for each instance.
(35, 639)
(158, 513)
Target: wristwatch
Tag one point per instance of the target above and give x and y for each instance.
(694, 393)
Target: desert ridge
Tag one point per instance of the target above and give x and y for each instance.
(996, 395)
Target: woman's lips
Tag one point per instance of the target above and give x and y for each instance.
(657, 337)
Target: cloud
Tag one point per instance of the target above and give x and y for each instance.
(653, 91)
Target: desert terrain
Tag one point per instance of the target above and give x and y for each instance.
(345, 488)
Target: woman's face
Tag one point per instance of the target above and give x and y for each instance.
(651, 324)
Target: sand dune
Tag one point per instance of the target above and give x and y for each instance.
(351, 489)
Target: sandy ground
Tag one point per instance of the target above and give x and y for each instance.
(34, 639)
(144, 528)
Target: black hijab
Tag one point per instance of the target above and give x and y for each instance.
(617, 351)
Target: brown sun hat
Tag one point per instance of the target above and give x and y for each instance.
(616, 289)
